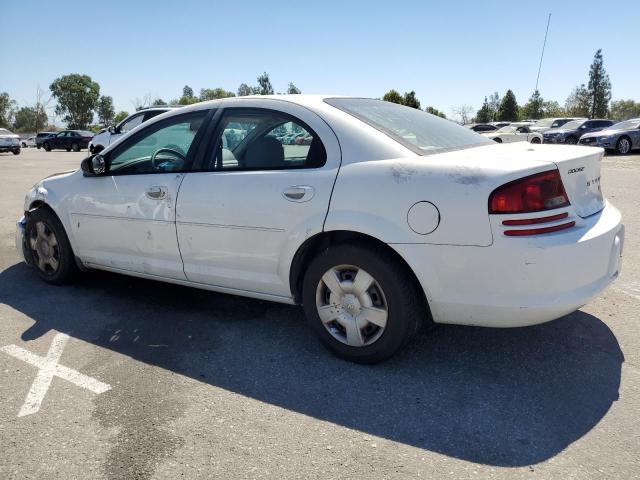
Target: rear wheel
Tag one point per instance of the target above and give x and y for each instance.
(571, 140)
(46, 146)
(623, 146)
(497, 140)
(48, 247)
(16, 151)
(363, 306)
(535, 140)
(75, 147)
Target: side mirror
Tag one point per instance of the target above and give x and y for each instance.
(112, 130)
(94, 165)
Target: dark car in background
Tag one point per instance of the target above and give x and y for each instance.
(68, 140)
(621, 137)
(41, 136)
(482, 127)
(571, 132)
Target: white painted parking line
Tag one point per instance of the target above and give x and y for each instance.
(631, 289)
(48, 368)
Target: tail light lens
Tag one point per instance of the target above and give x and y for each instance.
(535, 193)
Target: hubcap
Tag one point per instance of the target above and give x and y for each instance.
(44, 246)
(351, 305)
(624, 145)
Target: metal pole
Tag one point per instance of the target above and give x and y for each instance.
(542, 54)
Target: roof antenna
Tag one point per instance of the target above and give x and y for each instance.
(542, 54)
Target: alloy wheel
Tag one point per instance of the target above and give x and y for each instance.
(44, 247)
(624, 146)
(351, 305)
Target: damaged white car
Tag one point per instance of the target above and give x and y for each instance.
(387, 218)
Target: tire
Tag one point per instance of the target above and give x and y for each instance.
(24, 145)
(38, 147)
(16, 151)
(68, 149)
(623, 146)
(571, 140)
(46, 146)
(55, 262)
(497, 140)
(392, 290)
(75, 147)
(535, 140)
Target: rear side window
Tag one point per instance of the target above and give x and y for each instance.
(262, 139)
(419, 131)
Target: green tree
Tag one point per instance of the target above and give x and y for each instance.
(26, 119)
(625, 109)
(158, 102)
(494, 106)
(484, 115)
(105, 110)
(508, 111)
(7, 108)
(410, 100)
(120, 116)
(244, 90)
(213, 93)
(77, 97)
(599, 87)
(187, 91)
(393, 96)
(435, 111)
(533, 109)
(578, 103)
(551, 108)
(292, 89)
(264, 85)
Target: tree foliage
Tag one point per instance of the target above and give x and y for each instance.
(508, 111)
(158, 102)
(264, 85)
(213, 93)
(463, 113)
(77, 97)
(578, 103)
(292, 89)
(393, 96)
(410, 100)
(7, 107)
(27, 119)
(494, 105)
(120, 116)
(435, 111)
(534, 108)
(187, 91)
(625, 109)
(244, 90)
(105, 110)
(484, 115)
(599, 87)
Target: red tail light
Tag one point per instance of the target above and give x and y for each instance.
(535, 193)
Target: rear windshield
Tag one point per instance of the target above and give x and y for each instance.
(419, 131)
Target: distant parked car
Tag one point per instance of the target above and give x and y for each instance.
(571, 132)
(482, 127)
(500, 124)
(109, 135)
(545, 124)
(68, 140)
(514, 133)
(9, 142)
(41, 136)
(28, 142)
(621, 137)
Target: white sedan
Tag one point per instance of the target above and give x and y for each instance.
(514, 133)
(389, 218)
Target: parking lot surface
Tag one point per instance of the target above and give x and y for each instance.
(116, 377)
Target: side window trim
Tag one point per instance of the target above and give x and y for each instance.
(193, 148)
(216, 131)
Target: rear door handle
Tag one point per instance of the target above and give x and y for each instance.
(299, 193)
(156, 192)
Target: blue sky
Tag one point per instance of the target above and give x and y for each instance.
(450, 53)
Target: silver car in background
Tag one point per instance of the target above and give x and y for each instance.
(621, 137)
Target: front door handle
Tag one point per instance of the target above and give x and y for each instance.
(156, 192)
(299, 193)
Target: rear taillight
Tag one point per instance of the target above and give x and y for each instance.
(535, 193)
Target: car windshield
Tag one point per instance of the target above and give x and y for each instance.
(507, 129)
(626, 125)
(417, 130)
(545, 122)
(572, 125)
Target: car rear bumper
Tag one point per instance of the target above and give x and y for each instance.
(520, 281)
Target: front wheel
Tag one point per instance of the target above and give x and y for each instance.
(571, 140)
(623, 146)
(497, 140)
(48, 247)
(361, 303)
(535, 140)
(47, 147)
(16, 151)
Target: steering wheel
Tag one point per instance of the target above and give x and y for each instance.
(165, 149)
